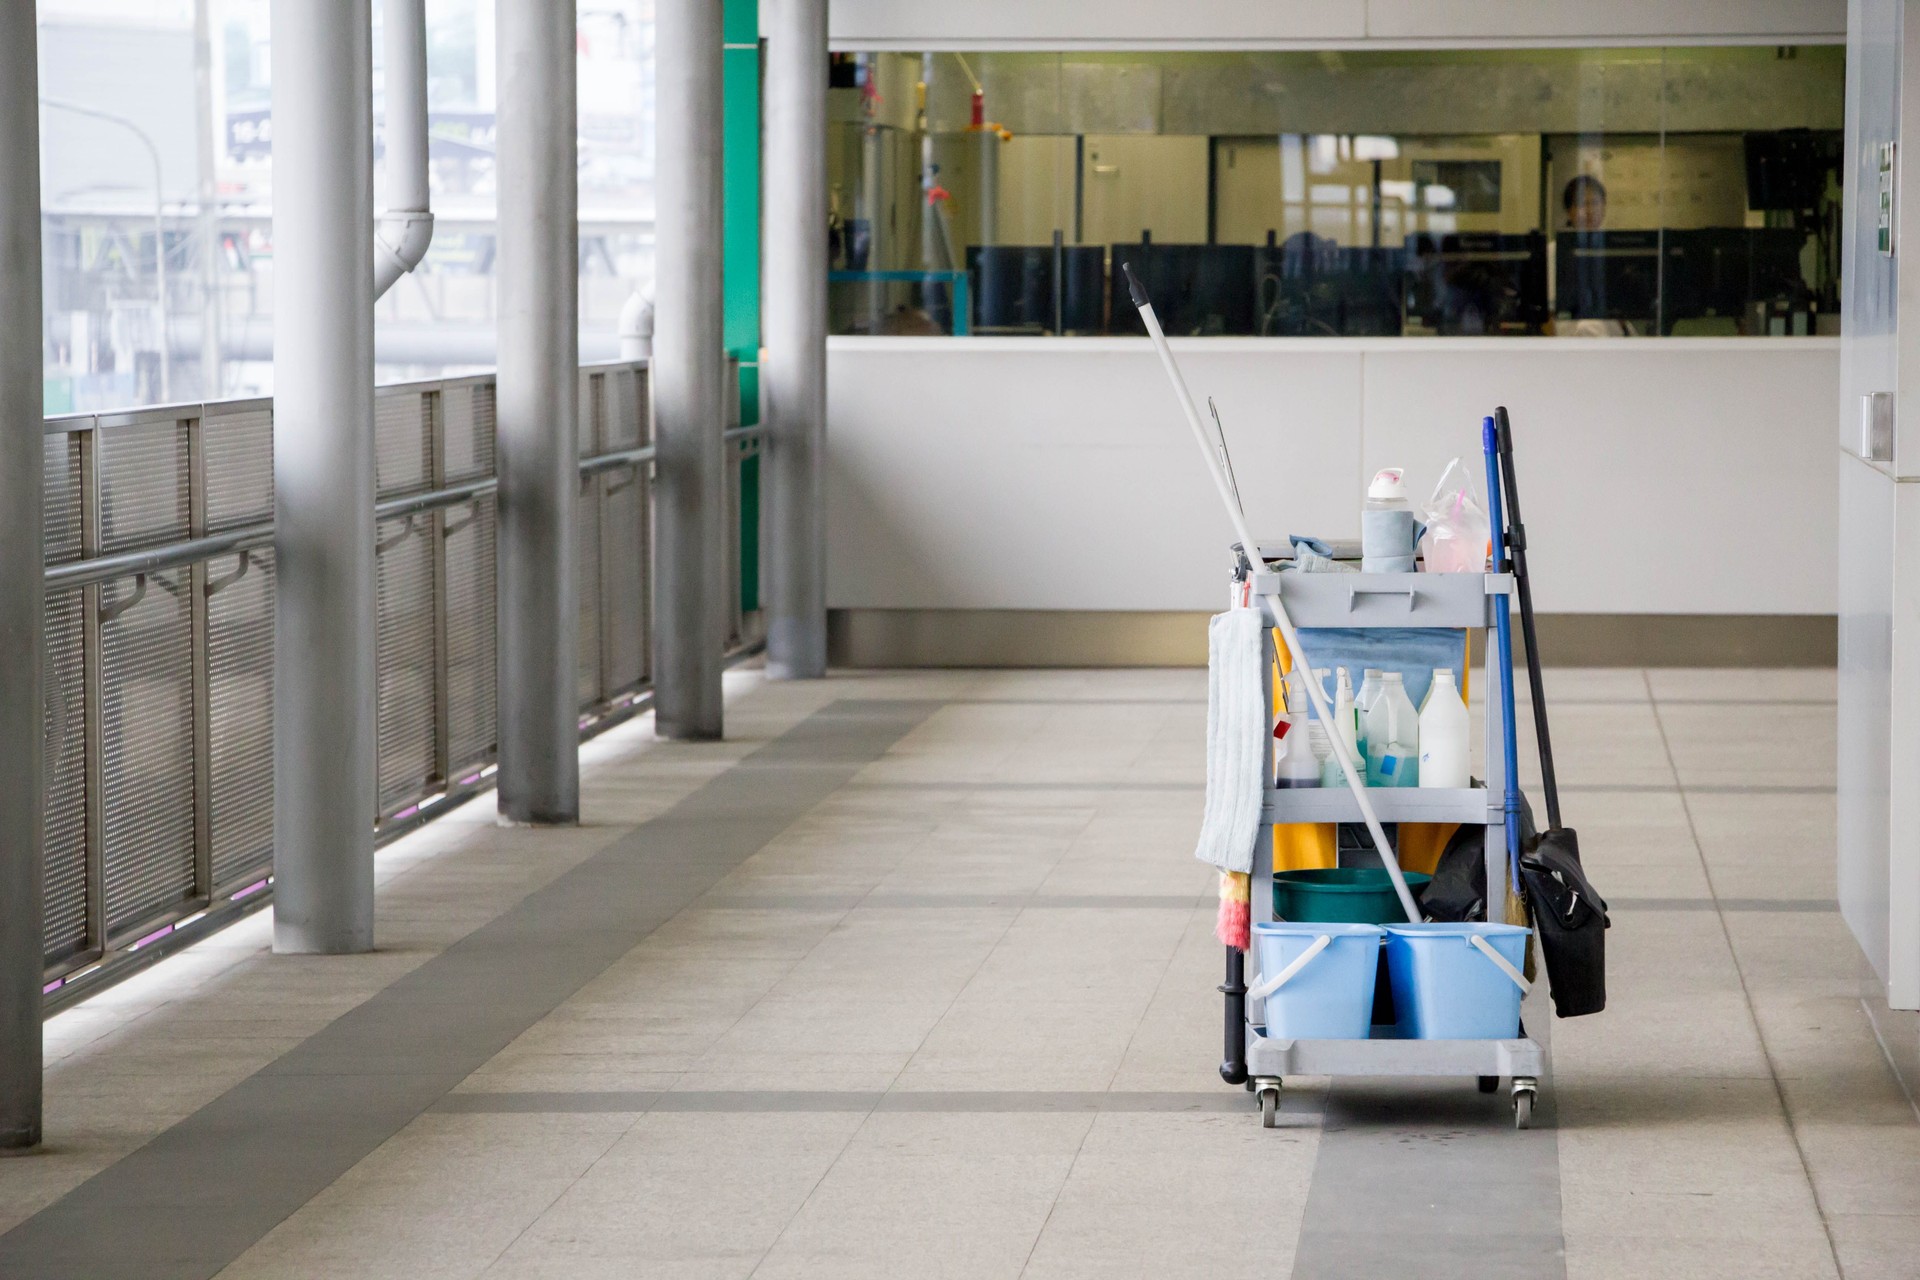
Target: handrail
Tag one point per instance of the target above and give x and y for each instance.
(174, 555)
(614, 461)
(731, 434)
(453, 495)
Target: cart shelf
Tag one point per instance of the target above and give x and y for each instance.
(1268, 1057)
(1392, 804)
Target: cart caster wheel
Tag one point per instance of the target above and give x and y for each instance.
(1489, 1084)
(1523, 1096)
(1269, 1092)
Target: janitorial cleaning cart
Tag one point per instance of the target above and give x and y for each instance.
(1343, 972)
(1259, 1050)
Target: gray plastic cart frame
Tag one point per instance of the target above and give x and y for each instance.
(1450, 601)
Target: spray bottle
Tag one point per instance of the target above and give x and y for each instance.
(1346, 728)
(1298, 767)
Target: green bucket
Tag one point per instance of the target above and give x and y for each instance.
(1342, 895)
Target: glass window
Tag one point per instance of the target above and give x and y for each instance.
(1567, 192)
(137, 151)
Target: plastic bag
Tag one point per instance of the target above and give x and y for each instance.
(1455, 540)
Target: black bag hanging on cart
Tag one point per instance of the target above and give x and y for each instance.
(1569, 918)
(1570, 921)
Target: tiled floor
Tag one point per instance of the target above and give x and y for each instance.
(938, 1000)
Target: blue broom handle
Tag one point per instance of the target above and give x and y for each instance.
(1510, 736)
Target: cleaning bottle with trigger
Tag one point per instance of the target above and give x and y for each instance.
(1299, 766)
(1346, 729)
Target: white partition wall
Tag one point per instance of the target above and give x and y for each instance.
(1660, 476)
(873, 24)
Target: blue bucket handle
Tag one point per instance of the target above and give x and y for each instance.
(1264, 987)
(1505, 966)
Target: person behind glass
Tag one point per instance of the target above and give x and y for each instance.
(1584, 200)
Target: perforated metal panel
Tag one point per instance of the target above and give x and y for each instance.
(147, 756)
(471, 674)
(66, 857)
(240, 715)
(622, 426)
(404, 663)
(623, 578)
(467, 423)
(238, 447)
(143, 484)
(586, 533)
(403, 441)
(61, 498)
(592, 412)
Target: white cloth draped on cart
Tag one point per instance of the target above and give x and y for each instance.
(1237, 729)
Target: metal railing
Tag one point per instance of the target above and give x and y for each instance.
(160, 618)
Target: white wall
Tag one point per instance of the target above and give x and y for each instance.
(1657, 475)
(873, 24)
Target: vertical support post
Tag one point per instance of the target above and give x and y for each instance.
(194, 578)
(323, 471)
(690, 577)
(211, 382)
(22, 588)
(538, 408)
(795, 373)
(740, 271)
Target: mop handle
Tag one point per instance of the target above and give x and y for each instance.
(1315, 693)
(1503, 628)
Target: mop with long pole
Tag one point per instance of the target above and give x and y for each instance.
(1356, 781)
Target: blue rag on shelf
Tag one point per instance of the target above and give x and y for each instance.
(1412, 651)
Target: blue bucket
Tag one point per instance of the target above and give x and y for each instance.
(1328, 995)
(1446, 987)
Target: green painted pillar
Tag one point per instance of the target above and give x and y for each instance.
(741, 270)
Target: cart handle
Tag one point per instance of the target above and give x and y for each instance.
(1264, 987)
(1357, 590)
(1485, 948)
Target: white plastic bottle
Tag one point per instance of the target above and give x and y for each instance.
(1298, 766)
(1322, 751)
(1386, 525)
(1445, 737)
(1345, 728)
(1393, 736)
(1362, 704)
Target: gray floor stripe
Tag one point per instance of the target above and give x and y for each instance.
(1693, 789)
(961, 785)
(753, 1101)
(1810, 905)
(200, 1194)
(957, 901)
(1430, 1179)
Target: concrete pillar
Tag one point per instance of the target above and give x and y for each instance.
(324, 746)
(537, 407)
(22, 454)
(689, 370)
(794, 370)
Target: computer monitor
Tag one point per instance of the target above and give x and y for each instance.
(1607, 275)
(1197, 289)
(1476, 282)
(1310, 286)
(1788, 169)
(1014, 288)
(1724, 271)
